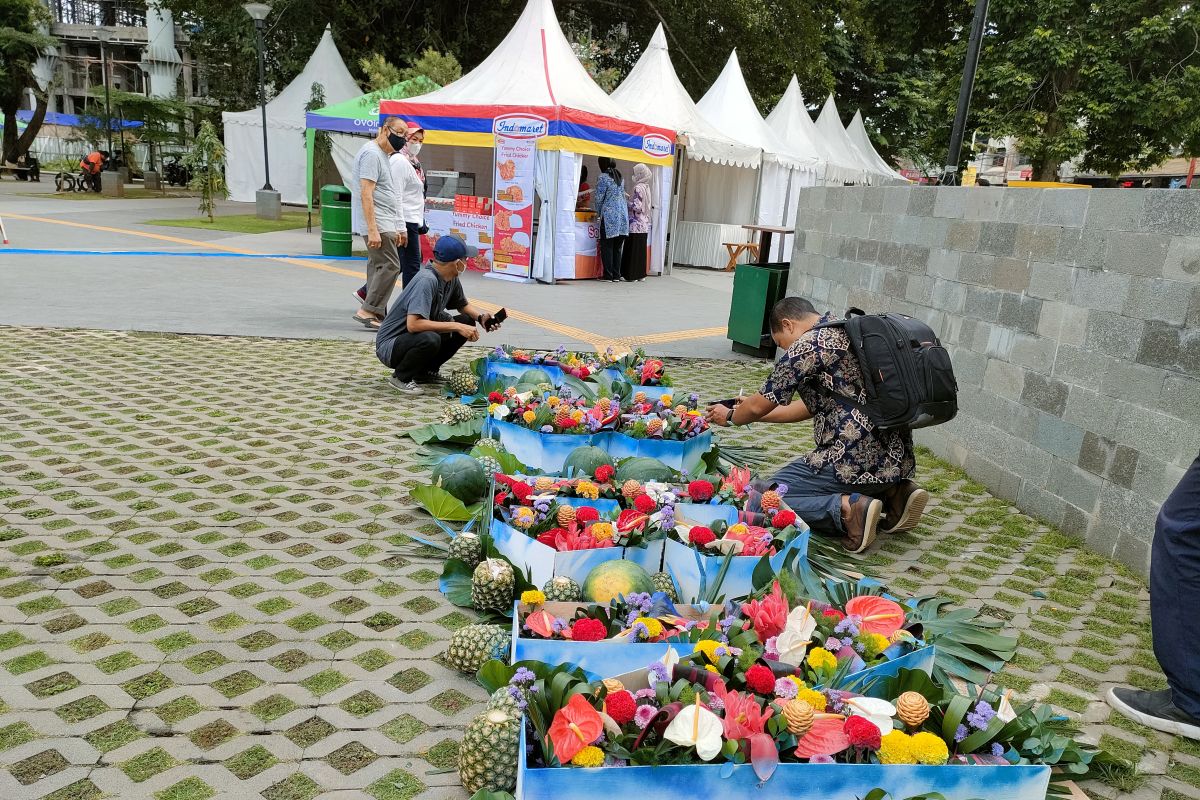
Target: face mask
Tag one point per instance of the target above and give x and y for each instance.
(414, 148)
(395, 140)
(460, 267)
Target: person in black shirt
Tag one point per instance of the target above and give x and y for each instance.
(419, 334)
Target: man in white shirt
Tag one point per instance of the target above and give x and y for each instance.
(375, 215)
(408, 180)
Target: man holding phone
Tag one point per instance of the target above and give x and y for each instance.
(419, 333)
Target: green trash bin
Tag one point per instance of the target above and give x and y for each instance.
(336, 238)
(756, 288)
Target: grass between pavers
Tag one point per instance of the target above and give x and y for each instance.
(243, 223)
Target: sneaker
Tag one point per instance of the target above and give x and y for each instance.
(1155, 710)
(862, 523)
(360, 296)
(408, 387)
(432, 377)
(903, 505)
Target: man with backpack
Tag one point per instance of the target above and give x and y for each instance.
(858, 480)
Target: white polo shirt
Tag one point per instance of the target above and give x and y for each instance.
(409, 189)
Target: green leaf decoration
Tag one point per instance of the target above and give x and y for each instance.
(465, 433)
(441, 504)
(456, 583)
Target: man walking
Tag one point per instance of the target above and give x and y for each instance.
(1174, 577)
(419, 335)
(857, 477)
(376, 216)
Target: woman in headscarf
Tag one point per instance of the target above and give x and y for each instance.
(608, 198)
(633, 262)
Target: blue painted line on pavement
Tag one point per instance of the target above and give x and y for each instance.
(28, 251)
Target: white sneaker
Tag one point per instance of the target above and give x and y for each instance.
(408, 387)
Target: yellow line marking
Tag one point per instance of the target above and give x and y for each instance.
(596, 340)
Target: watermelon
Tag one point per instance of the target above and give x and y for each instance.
(585, 461)
(461, 476)
(532, 377)
(642, 469)
(611, 579)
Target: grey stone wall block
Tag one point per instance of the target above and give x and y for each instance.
(950, 201)
(1051, 281)
(1092, 411)
(969, 367)
(999, 480)
(982, 303)
(852, 199)
(914, 258)
(1066, 207)
(1132, 382)
(1128, 511)
(1022, 207)
(1035, 352)
(976, 268)
(1100, 290)
(1183, 259)
(932, 232)
(872, 201)
(948, 295)
(848, 223)
(1078, 487)
(889, 255)
(999, 342)
(1059, 438)
(943, 263)
(1050, 325)
(1137, 253)
(921, 200)
(1170, 347)
(1115, 209)
(1004, 379)
(1102, 537)
(1152, 478)
(984, 204)
(1193, 315)
(894, 283)
(1020, 312)
(1074, 326)
(1170, 211)
(882, 227)
(1161, 436)
(895, 199)
(1180, 398)
(1105, 458)
(920, 290)
(998, 238)
(1113, 334)
(1158, 299)
(1045, 393)
(1080, 367)
(1011, 274)
(868, 251)
(1041, 503)
(1075, 521)
(1037, 242)
(963, 235)
(1133, 551)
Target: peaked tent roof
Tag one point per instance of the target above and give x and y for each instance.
(728, 107)
(790, 119)
(857, 132)
(361, 114)
(286, 109)
(829, 127)
(653, 92)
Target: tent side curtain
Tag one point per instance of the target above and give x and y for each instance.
(566, 129)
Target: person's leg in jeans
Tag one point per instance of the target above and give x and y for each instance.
(410, 254)
(416, 355)
(1174, 586)
(383, 268)
(821, 500)
(451, 343)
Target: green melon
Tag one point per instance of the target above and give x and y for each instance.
(532, 377)
(585, 461)
(643, 469)
(614, 578)
(461, 476)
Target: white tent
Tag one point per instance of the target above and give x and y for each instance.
(857, 132)
(709, 207)
(244, 168)
(790, 119)
(829, 127)
(728, 106)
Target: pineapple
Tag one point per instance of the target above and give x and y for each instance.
(490, 443)
(487, 759)
(663, 583)
(473, 645)
(463, 382)
(467, 547)
(631, 489)
(771, 501)
(490, 465)
(566, 515)
(562, 590)
(492, 586)
(504, 701)
(455, 413)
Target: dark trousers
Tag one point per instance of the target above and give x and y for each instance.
(633, 259)
(816, 496)
(417, 354)
(1174, 587)
(410, 256)
(610, 254)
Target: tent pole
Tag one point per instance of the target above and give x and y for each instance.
(310, 138)
(681, 160)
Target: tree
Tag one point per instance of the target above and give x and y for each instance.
(1116, 81)
(21, 42)
(440, 68)
(206, 158)
(323, 168)
(164, 121)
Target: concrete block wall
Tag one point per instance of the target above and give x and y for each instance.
(1073, 320)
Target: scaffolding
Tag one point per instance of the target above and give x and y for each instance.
(107, 13)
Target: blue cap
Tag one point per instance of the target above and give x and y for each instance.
(451, 248)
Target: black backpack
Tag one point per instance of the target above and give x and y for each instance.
(907, 373)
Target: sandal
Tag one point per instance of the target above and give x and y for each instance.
(366, 322)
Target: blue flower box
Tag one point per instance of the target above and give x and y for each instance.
(512, 371)
(547, 452)
(692, 569)
(543, 563)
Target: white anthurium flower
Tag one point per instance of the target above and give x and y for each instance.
(878, 712)
(1005, 710)
(726, 546)
(670, 659)
(696, 726)
(792, 643)
(501, 411)
(524, 396)
(656, 490)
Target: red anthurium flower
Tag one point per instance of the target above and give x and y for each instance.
(756, 541)
(744, 717)
(826, 737)
(769, 615)
(551, 536)
(879, 615)
(631, 520)
(575, 726)
(541, 623)
(652, 370)
(833, 613)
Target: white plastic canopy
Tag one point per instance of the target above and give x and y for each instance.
(857, 132)
(829, 128)
(791, 121)
(652, 91)
(244, 168)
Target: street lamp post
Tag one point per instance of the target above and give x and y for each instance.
(105, 36)
(974, 44)
(267, 200)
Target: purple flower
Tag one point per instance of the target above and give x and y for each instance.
(833, 644)
(658, 671)
(522, 675)
(716, 703)
(547, 429)
(997, 749)
(846, 626)
(645, 694)
(615, 762)
(557, 626)
(517, 697)
(781, 489)
(643, 715)
(821, 759)
(847, 642)
(640, 631)
(981, 716)
(498, 352)
(960, 733)
(786, 689)
(836, 700)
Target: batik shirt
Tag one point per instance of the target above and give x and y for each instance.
(846, 440)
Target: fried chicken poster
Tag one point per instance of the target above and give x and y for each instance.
(516, 160)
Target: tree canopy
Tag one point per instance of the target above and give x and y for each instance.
(21, 42)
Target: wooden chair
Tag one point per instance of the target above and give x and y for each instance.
(736, 249)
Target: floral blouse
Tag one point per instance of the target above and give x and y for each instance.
(846, 439)
(608, 199)
(639, 209)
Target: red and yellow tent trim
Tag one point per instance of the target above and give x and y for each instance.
(556, 128)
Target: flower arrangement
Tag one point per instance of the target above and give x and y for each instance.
(640, 418)
(635, 367)
(567, 527)
(740, 538)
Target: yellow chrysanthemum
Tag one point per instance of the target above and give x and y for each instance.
(602, 530)
(709, 648)
(528, 416)
(523, 517)
(820, 659)
(876, 643)
(587, 489)
(590, 756)
(533, 597)
(666, 399)
(813, 698)
(896, 748)
(710, 668)
(928, 748)
(552, 401)
(800, 685)
(492, 408)
(577, 414)
(653, 626)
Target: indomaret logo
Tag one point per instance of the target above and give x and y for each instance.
(521, 126)
(656, 145)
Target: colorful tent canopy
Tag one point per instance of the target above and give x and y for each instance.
(534, 79)
(361, 114)
(76, 121)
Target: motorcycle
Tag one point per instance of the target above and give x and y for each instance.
(177, 173)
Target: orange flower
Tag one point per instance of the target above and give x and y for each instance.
(879, 615)
(575, 726)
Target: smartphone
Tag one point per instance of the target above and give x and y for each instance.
(497, 318)
(730, 403)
